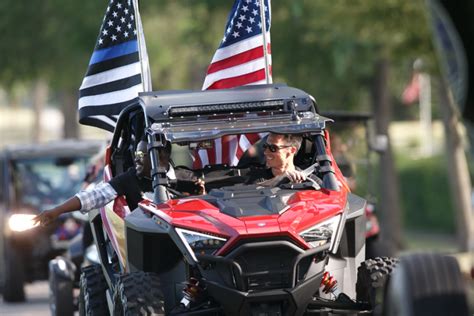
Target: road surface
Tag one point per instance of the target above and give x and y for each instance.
(36, 303)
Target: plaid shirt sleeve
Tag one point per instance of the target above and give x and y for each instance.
(99, 196)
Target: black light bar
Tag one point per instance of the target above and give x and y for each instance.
(259, 106)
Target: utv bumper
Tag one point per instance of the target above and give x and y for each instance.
(285, 301)
(273, 277)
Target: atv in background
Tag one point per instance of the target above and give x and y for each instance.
(239, 249)
(33, 178)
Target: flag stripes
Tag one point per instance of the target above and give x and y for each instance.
(111, 86)
(113, 63)
(239, 60)
(115, 73)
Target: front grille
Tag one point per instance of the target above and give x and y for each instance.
(266, 268)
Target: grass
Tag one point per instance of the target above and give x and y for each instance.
(425, 195)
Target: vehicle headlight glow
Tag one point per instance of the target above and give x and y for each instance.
(21, 222)
(322, 233)
(199, 243)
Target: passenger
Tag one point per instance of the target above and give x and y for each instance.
(279, 151)
(131, 183)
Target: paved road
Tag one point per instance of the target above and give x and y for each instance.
(36, 304)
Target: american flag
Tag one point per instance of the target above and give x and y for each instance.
(239, 60)
(118, 69)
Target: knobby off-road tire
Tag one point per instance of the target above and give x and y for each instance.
(426, 284)
(371, 278)
(93, 286)
(13, 290)
(61, 300)
(138, 293)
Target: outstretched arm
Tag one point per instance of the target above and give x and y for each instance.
(83, 201)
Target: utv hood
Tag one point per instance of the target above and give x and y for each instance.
(251, 211)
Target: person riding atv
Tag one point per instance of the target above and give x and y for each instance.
(242, 247)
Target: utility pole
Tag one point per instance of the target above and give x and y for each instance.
(426, 132)
(388, 181)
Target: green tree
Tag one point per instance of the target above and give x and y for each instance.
(50, 41)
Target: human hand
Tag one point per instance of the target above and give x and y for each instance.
(46, 217)
(295, 176)
(200, 186)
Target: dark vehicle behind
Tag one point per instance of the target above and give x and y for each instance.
(34, 178)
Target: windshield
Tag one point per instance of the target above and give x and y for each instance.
(45, 182)
(242, 159)
(228, 151)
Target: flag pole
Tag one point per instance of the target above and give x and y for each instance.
(142, 53)
(264, 35)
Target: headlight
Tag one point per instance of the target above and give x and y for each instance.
(199, 243)
(322, 233)
(21, 222)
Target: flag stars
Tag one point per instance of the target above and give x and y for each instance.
(119, 5)
(129, 26)
(238, 25)
(235, 34)
(125, 34)
(114, 37)
(114, 14)
(254, 12)
(248, 1)
(118, 28)
(260, 24)
(126, 11)
(245, 8)
(134, 32)
(122, 19)
(242, 18)
(257, 3)
(252, 20)
(101, 41)
(248, 29)
(105, 32)
(110, 23)
(132, 17)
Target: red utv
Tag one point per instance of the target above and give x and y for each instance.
(292, 249)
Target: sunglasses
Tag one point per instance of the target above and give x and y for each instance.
(273, 148)
(140, 154)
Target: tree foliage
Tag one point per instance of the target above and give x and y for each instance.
(325, 47)
(52, 39)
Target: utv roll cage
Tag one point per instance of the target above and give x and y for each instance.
(192, 117)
